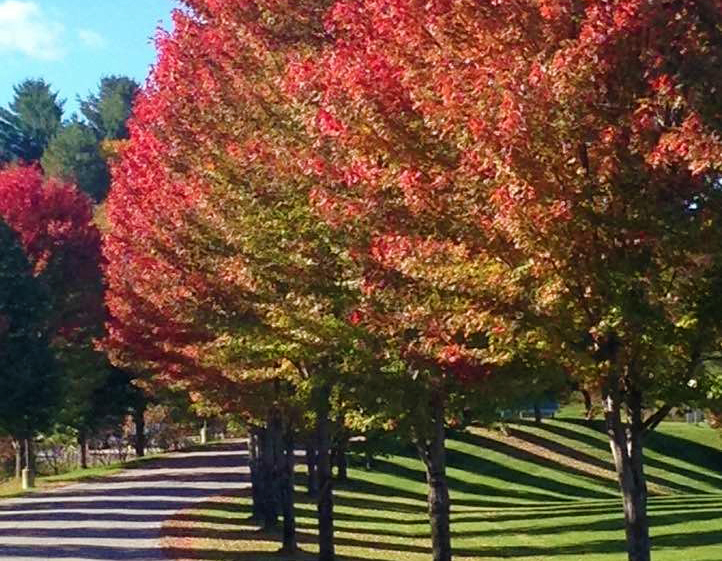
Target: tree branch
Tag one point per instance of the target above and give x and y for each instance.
(652, 422)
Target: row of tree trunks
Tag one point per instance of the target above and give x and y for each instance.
(139, 439)
(272, 463)
(338, 459)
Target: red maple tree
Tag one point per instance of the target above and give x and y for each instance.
(220, 278)
(54, 221)
(558, 159)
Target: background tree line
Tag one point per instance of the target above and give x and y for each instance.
(56, 381)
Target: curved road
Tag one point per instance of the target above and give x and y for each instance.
(119, 517)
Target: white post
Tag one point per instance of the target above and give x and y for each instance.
(28, 479)
(27, 475)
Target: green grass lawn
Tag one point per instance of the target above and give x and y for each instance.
(541, 493)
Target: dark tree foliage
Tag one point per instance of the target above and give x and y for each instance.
(28, 383)
(30, 121)
(74, 155)
(109, 109)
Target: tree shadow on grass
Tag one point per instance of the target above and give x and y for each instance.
(254, 542)
(612, 522)
(701, 455)
(650, 462)
(368, 487)
(385, 533)
(490, 495)
(478, 465)
(559, 448)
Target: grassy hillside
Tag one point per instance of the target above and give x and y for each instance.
(540, 493)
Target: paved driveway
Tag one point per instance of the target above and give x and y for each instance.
(121, 516)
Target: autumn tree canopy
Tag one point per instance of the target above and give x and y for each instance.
(222, 279)
(454, 192)
(54, 222)
(569, 151)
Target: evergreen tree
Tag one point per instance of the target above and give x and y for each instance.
(109, 109)
(30, 121)
(74, 155)
(27, 374)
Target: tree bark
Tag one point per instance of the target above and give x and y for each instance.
(368, 452)
(626, 444)
(325, 481)
(587, 403)
(268, 475)
(312, 466)
(654, 420)
(256, 480)
(290, 544)
(537, 414)
(83, 446)
(342, 458)
(433, 454)
(19, 457)
(30, 455)
(139, 420)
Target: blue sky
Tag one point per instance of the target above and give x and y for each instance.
(73, 43)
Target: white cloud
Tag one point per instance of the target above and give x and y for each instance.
(24, 28)
(91, 38)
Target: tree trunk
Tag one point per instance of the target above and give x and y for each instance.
(587, 404)
(19, 458)
(537, 414)
(626, 445)
(368, 453)
(256, 480)
(325, 482)
(139, 420)
(312, 466)
(342, 458)
(268, 475)
(289, 517)
(83, 446)
(30, 455)
(433, 454)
